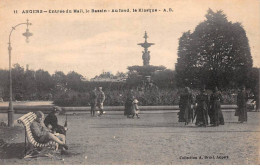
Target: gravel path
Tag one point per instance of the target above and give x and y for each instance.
(152, 139)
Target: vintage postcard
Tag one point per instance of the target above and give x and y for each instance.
(141, 82)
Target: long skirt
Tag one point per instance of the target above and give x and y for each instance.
(181, 115)
(242, 114)
(202, 116)
(216, 116)
(128, 108)
(188, 114)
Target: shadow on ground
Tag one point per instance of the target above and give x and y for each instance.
(12, 150)
(16, 151)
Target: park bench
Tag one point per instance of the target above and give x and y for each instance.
(27, 120)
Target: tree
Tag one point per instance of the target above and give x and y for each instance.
(29, 85)
(164, 79)
(185, 75)
(18, 82)
(107, 75)
(217, 53)
(121, 75)
(74, 81)
(4, 84)
(253, 80)
(44, 83)
(134, 79)
(137, 74)
(59, 78)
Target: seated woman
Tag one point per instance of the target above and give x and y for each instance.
(51, 121)
(42, 134)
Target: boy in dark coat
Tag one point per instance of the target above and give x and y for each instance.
(93, 101)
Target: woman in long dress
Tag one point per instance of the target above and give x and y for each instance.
(186, 113)
(241, 104)
(202, 101)
(129, 104)
(216, 116)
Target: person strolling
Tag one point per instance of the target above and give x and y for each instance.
(216, 116)
(135, 109)
(241, 105)
(202, 104)
(93, 101)
(128, 104)
(186, 113)
(100, 101)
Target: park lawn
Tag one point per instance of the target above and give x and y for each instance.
(152, 139)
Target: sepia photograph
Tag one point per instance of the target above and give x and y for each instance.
(141, 82)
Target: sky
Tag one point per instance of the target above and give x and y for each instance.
(90, 43)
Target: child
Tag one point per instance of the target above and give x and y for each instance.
(135, 108)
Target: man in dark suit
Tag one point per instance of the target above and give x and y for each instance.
(93, 101)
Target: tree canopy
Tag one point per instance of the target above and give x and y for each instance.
(217, 53)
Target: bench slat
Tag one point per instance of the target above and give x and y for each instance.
(26, 120)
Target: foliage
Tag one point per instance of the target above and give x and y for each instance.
(150, 98)
(37, 85)
(109, 75)
(134, 79)
(217, 53)
(146, 70)
(160, 76)
(44, 83)
(73, 80)
(117, 98)
(69, 90)
(164, 79)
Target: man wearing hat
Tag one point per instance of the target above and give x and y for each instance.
(51, 121)
(93, 101)
(100, 100)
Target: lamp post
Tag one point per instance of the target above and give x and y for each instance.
(258, 95)
(27, 34)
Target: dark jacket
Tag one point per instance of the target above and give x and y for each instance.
(93, 97)
(53, 121)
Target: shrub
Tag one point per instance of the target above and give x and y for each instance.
(145, 98)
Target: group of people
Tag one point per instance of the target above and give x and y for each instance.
(206, 106)
(47, 129)
(131, 106)
(97, 98)
(206, 109)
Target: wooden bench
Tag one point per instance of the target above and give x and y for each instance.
(27, 120)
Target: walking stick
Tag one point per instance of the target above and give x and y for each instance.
(66, 125)
(194, 117)
(66, 122)
(194, 112)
